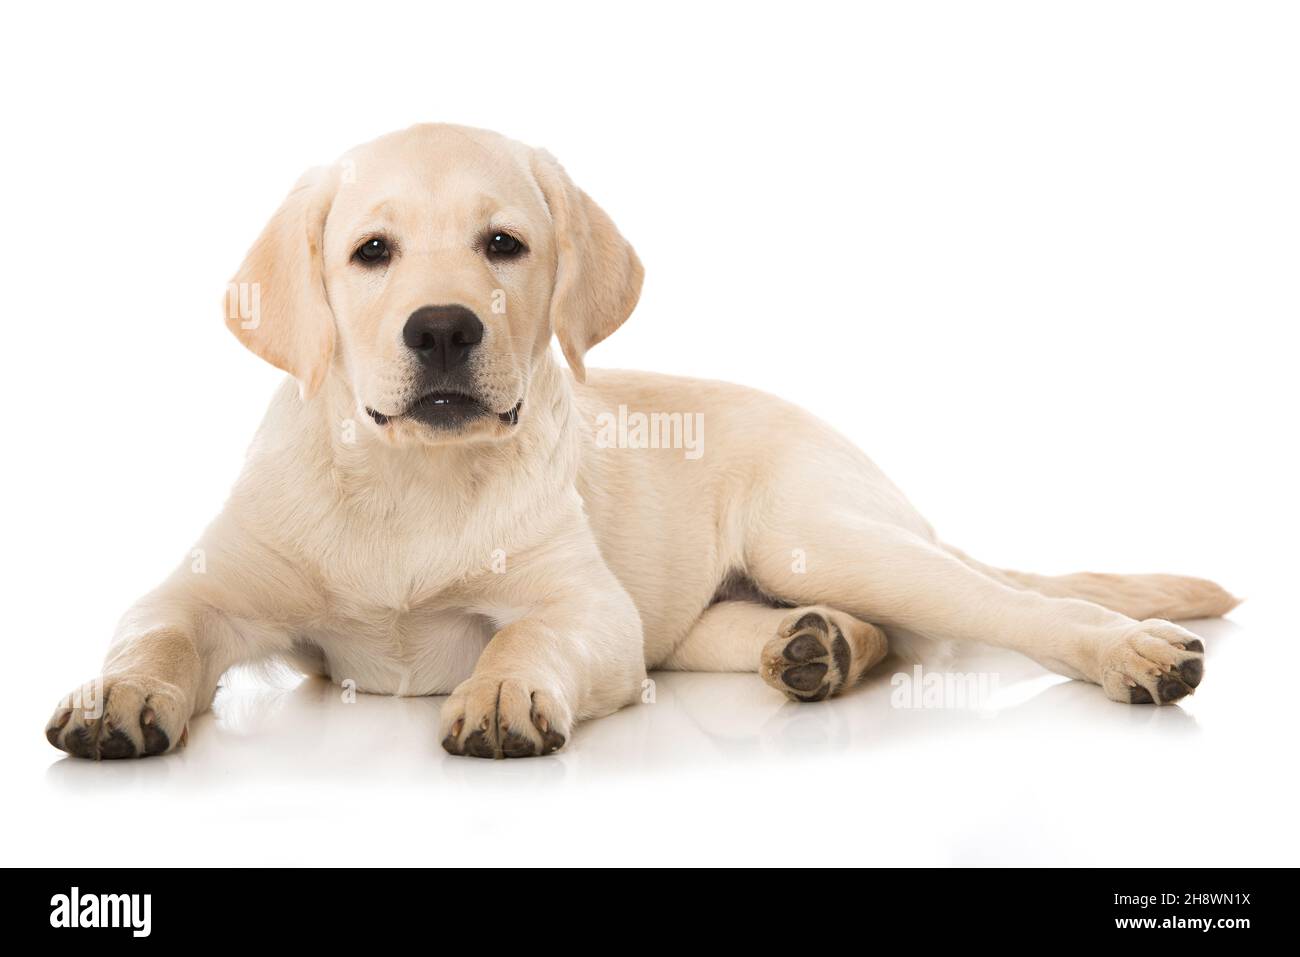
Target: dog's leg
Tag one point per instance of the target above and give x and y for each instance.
(575, 653)
(888, 574)
(808, 653)
(172, 648)
(162, 669)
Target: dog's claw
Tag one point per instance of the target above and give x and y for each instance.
(122, 717)
(1153, 662)
(510, 721)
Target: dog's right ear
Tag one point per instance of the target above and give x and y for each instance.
(276, 304)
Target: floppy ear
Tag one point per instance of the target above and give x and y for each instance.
(597, 273)
(276, 304)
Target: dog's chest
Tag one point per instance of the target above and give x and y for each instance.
(409, 568)
(417, 652)
(380, 565)
(400, 614)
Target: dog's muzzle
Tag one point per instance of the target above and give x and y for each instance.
(445, 406)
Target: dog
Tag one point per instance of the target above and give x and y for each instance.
(435, 505)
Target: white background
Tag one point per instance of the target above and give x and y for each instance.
(1039, 260)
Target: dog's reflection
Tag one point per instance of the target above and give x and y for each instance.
(733, 717)
(281, 726)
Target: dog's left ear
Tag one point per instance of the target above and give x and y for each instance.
(597, 273)
(276, 303)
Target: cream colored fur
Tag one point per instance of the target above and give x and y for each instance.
(528, 570)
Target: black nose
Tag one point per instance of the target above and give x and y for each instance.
(443, 335)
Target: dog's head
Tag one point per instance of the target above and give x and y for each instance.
(429, 270)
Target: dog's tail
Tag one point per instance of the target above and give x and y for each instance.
(1137, 596)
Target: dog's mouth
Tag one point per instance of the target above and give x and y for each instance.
(447, 410)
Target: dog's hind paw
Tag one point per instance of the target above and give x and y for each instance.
(814, 656)
(1153, 662)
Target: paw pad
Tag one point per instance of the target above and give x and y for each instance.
(809, 660)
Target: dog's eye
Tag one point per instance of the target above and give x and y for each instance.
(371, 252)
(504, 246)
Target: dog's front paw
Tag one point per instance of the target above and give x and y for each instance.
(488, 717)
(126, 716)
(1154, 661)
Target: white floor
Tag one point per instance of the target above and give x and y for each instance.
(719, 769)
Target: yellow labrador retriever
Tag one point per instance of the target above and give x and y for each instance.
(433, 505)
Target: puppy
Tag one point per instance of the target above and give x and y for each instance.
(434, 506)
